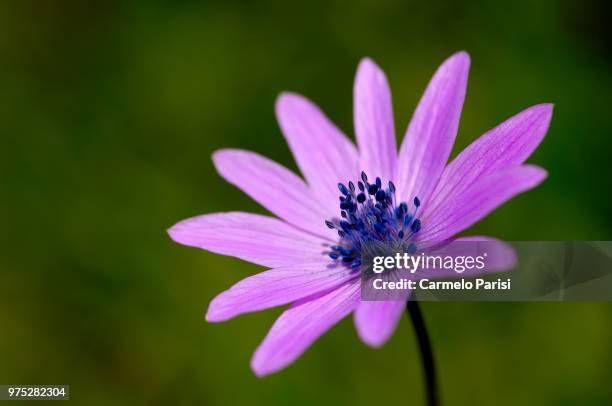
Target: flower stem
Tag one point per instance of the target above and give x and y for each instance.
(414, 312)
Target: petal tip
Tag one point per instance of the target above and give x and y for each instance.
(259, 367)
(287, 97)
(288, 104)
(544, 108)
(226, 158)
(220, 152)
(459, 61)
(511, 261)
(457, 64)
(538, 174)
(175, 233)
(372, 342)
(213, 316)
(369, 338)
(367, 63)
(218, 310)
(219, 155)
(461, 56)
(547, 110)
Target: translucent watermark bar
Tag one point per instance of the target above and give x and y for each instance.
(487, 270)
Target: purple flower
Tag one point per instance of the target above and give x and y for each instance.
(312, 248)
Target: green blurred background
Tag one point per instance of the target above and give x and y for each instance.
(109, 113)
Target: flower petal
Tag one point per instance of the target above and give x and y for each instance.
(376, 320)
(274, 187)
(277, 287)
(374, 125)
(464, 209)
(507, 145)
(259, 239)
(323, 153)
(501, 256)
(431, 133)
(300, 325)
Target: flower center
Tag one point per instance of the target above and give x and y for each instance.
(370, 213)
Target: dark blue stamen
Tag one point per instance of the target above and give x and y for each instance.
(346, 205)
(345, 226)
(399, 213)
(346, 251)
(407, 219)
(380, 229)
(371, 213)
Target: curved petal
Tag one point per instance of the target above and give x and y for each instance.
(374, 125)
(461, 210)
(300, 325)
(500, 256)
(274, 187)
(507, 145)
(277, 287)
(259, 239)
(323, 153)
(376, 320)
(432, 130)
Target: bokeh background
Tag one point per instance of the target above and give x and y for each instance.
(109, 113)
